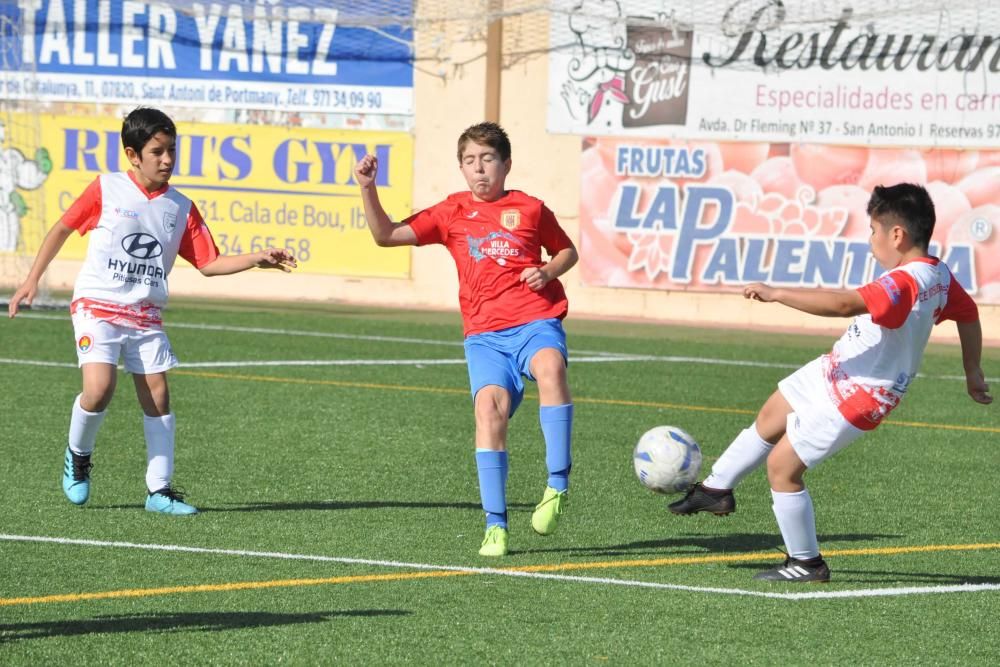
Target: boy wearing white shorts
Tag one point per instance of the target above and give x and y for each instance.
(832, 400)
(138, 225)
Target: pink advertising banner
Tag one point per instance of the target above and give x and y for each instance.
(709, 216)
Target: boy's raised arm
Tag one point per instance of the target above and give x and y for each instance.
(815, 301)
(385, 232)
(268, 258)
(971, 336)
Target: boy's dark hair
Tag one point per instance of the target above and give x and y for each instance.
(486, 134)
(908, 205)
(142, 124)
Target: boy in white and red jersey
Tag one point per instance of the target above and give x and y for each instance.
(138, 226)
(832, 400)
(512, 307)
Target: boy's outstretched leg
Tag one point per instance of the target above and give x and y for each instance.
(557, 428)
(715, 494)
(746, 453)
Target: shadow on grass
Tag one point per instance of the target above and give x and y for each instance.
(686, 545)
(354, 505)
(327, 505)
(179, 622)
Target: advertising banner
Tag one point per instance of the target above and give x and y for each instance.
(294, 55)
(256, 186)
(853, 72)
(710, 216)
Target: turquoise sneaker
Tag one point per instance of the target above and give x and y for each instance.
(76, 477)
(546, 515)
(495, 542)
(169, 501)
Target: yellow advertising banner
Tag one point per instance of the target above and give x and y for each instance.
(255, 185)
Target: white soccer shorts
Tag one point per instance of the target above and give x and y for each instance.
(815, 427)
(146, 351)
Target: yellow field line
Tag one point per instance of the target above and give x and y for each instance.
(405, 576)
(595, 401)
(234, 586)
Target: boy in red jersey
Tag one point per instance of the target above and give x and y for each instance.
(512, 305)
(138, 225)
(832, 400)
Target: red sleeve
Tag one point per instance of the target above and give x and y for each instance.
(197, 245)
(551, 235)
(959, 307)
(890, 298)
(430, 225)
(85, 212)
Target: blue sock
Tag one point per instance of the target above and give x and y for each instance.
(557, 427)
(492, 467)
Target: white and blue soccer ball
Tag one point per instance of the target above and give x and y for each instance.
(667, 459)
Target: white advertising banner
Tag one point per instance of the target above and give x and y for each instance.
(855, 72)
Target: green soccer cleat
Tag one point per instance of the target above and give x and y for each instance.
(495, 542)
(76, 477)
(168, 501)
(546, 515)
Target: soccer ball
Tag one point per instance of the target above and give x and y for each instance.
(667, 459)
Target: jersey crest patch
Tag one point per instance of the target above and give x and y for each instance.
(169, 222)
(510, 219)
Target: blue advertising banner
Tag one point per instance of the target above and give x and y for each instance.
(301, 55)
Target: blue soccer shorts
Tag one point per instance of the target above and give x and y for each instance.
(502, 357)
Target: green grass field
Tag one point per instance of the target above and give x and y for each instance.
(340, 513)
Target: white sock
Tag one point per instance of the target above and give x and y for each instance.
(83, 427)
(794, 512)
(159, 450)
(745, 453)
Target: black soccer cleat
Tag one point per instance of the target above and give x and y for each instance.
(699, 499)
(814, 570)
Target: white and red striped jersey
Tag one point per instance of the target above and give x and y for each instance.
(873, 363)
(135, 237)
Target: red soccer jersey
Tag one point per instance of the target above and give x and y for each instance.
(492, 243)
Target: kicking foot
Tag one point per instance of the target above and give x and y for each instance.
(700, 499)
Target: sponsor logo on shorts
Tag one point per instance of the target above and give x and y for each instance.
(84, 343)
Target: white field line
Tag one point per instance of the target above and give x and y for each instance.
(390, 362)
(811, 595)
(589, 356)
(297, 332)
(455, 362)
